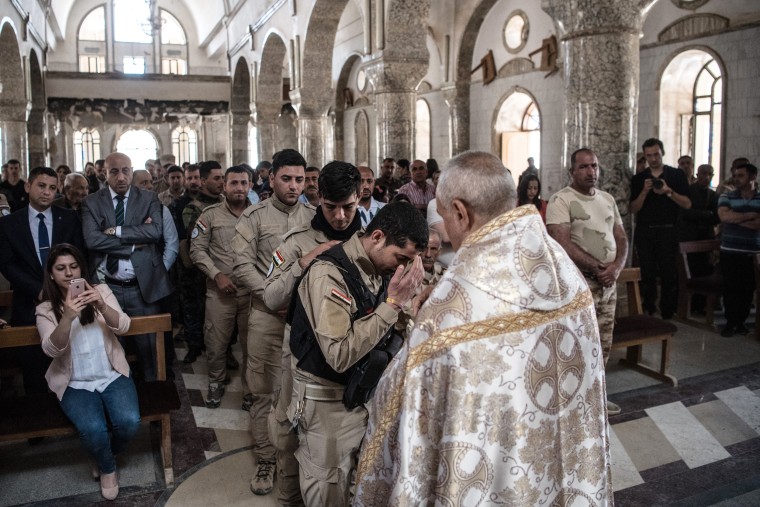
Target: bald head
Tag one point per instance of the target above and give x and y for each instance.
(118, 168)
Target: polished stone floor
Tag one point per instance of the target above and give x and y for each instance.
(694, 444)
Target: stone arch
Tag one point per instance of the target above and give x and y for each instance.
(240, 109)
(507, 127)
(361, 139)
(316, 63)
(269, 93)
(13, 102)
(460, 102)
(340, 103)
(36, 125)
(675, 104)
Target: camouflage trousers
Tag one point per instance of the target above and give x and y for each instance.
(605, 299)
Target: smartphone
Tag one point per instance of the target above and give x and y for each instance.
(76, 287)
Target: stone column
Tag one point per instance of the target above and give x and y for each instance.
(311, 124)
(266, 127)
(239, 137)
(457, 97)
(600, 53)
(14, 133)
(394, 82)
(36, 132)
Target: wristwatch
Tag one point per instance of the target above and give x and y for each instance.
(111, 231)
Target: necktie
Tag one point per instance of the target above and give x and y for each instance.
(112, 263)
(43, 239)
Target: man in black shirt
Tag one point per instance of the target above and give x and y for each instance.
(657, 195)
(13, 186)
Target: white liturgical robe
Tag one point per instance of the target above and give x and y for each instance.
(498, 398)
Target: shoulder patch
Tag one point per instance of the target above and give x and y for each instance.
(277, 258)
(200, 224)
(340, 296)
(195, 233)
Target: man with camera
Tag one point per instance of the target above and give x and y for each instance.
(657, 195)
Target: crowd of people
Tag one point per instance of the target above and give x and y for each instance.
(325, 275)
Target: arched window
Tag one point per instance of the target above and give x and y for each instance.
(86, 147)
(138, 145)
(253, 146)
(185, 145)
(173, 45)
(361, 148)
(422, 130)
(139, 28)
(91, 41)
(518, 132)
(691, 109)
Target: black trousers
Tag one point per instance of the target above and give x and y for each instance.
(657, 248)
(738, 285)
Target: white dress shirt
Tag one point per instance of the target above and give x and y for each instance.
(368, 214)
(126, 270)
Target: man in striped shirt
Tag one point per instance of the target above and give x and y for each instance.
(739, 212)
(419, 191)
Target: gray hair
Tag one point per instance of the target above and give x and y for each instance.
(481, 181)
(69, 180)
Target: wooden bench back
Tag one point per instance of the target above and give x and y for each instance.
(631, 277)
(27, 335)
(6, 298)
(689, 247)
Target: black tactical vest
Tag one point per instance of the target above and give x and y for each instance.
(303, 342)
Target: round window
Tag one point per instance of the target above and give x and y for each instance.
(361, 80)
(516, 31)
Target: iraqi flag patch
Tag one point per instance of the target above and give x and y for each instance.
(277, 258)
(340, 296)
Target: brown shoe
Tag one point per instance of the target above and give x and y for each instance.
(109, 486)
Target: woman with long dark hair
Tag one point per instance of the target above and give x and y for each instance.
(529, 192)
(89, 373)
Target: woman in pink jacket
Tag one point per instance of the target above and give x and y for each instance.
(89, 373)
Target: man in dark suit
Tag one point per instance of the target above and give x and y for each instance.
(123, 228)
(26, 237)
(97, 181)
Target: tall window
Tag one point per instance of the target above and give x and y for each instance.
(185, 145)
(91, 44)
(86, 147)
(518, 132)
(422, 130)
(253, 145)
(173, 45)
(691, 109)
(139, 146)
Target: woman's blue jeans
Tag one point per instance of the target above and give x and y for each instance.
(87, 410)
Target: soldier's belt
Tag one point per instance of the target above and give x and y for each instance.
(317, 392)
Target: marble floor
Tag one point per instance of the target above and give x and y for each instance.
(694, 444)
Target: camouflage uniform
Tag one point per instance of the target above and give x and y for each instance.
(192, 280)
(592, 219)
(258, 232)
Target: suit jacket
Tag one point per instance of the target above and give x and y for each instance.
(20, 263)
(98, 215)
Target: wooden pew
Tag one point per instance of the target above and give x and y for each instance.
(41, 415)
(635, 330)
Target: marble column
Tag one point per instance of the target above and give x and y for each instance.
(239, 121)
(600, 57)
(266, 128)
(394, 82)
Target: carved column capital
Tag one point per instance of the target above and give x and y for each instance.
(392, 75)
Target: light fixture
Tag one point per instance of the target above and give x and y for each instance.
(153, 24)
